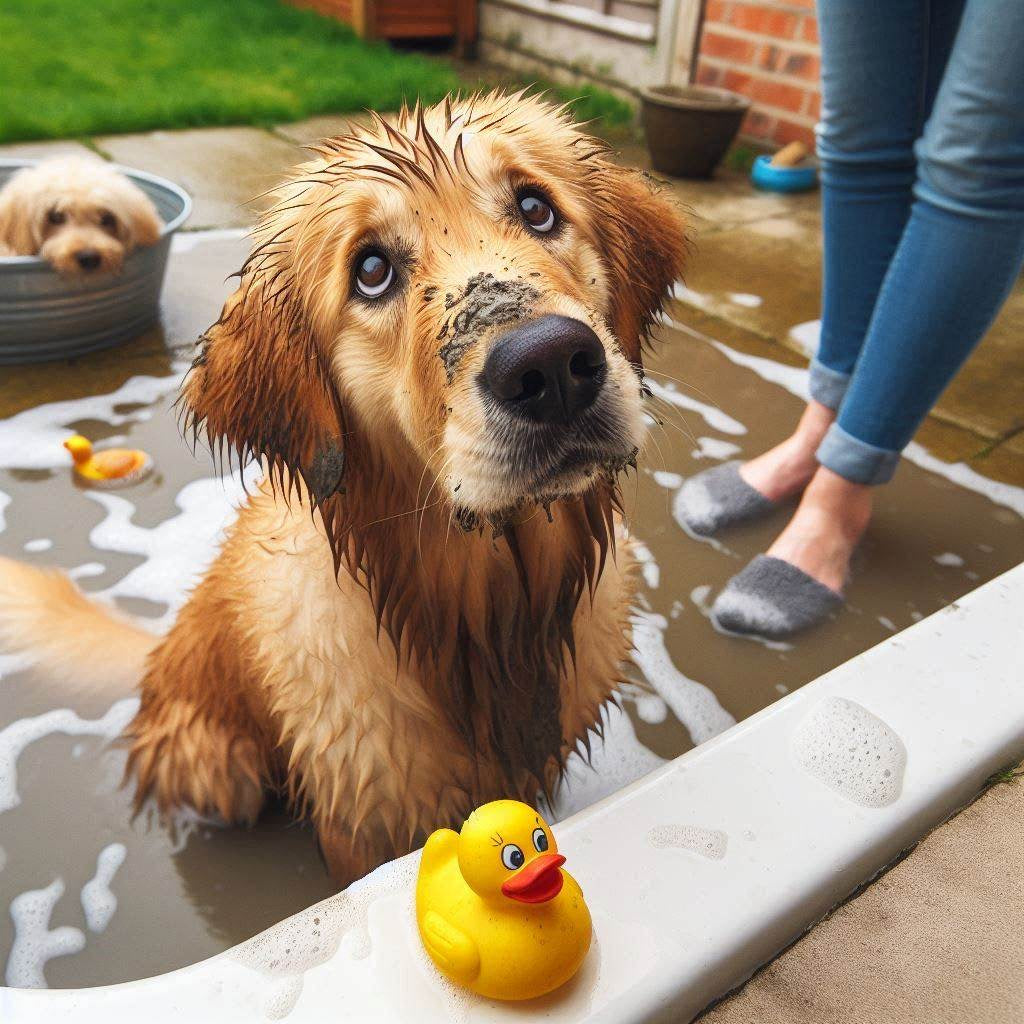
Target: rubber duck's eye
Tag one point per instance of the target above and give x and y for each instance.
(540, 840)
(512, 857)
(536, 211)
(374, 274)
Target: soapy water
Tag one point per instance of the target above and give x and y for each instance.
(853, 752)
(705, 842)
(172, 555)
(20, 734)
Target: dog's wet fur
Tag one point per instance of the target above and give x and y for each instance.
(425, 604)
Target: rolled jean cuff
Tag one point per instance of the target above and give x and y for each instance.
(856, 461)
(828, 386)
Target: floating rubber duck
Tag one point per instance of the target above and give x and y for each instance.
(112, 467)
(496, 912)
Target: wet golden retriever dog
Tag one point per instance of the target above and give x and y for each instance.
(76, 212)
(435, 350)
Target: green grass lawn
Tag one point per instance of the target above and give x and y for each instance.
(78, 67)
(84, 67)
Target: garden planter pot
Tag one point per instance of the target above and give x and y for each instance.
(689, 127)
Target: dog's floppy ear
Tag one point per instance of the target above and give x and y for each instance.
(143, 220)
(643, 239)
(261, 387)
(20, 217)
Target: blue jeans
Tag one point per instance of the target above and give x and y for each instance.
(922, 158)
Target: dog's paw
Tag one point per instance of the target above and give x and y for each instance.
(182, 758)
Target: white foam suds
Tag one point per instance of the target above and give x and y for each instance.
(20, 734)
(87, 569)
(691, 702)
(663, 478)
(650, 708)
(852, 751)
(807, 336)
(616, 758)
(948, 558)
(5, 500)
(312, 937)
(745, 299)
(705, 842)
(34, 942)
(684, 294)
(715, 448)
(648, 566)
(186, 241)
(176, 551)
(714, 417)
(39, 544)
(98, 899)
(34, 439)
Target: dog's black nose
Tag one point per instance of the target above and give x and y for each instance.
(88, 259)
(547, 370)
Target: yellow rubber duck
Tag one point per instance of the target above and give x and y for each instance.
(113, 467)
(496, 911)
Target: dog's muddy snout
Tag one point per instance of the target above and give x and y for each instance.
(548, 370)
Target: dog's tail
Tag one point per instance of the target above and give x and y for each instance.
(46, 618)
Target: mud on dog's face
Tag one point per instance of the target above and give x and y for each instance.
(470, 288)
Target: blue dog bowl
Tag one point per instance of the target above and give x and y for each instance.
(783, 179)
(45, 316)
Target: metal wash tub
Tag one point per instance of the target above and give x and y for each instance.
(46, 316)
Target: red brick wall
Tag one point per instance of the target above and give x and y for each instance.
(767, 50)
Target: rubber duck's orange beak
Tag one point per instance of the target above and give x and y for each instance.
(537, 882)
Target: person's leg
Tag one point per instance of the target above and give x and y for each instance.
(878, 82)
(876, 56)
(957, 259)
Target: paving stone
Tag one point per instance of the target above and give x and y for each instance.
(764, 275)
(222, 168)
(936, 940)
(42, 150)
(323, 126)
(727, 199)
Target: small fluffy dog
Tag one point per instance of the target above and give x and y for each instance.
(77, 213)
(435, 351)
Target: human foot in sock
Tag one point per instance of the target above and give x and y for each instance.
(799, 582)
(733, 492)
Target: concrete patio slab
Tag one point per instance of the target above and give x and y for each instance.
(43, 150)
(891, 955)
(324, 126)
(222, 168)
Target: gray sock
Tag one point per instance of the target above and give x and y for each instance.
(773, 598)
(717, 498)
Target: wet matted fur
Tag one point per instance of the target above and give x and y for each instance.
(422, 607)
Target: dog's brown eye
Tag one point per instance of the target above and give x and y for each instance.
(108, 221)
(538, 213)
(374, 275)
(56, 216)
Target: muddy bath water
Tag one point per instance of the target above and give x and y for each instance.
(91, 895)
